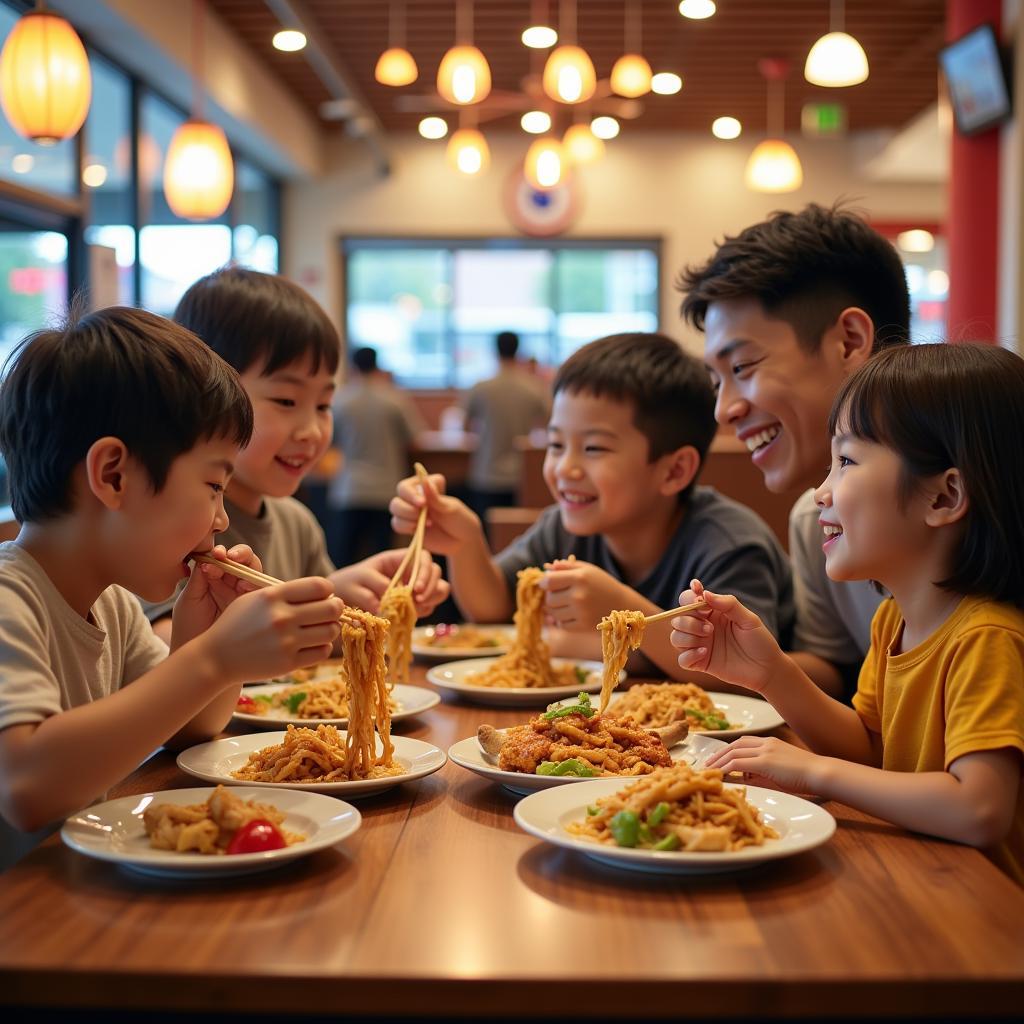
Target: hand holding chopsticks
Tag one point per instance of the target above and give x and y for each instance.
(673, 612)
(412, 555)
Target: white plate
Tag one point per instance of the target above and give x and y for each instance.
(113, 831)
(451, 677)
(801, 826)
(694, 750)
(216, 760)
(750, 715)
(411, 701)
(420, 646)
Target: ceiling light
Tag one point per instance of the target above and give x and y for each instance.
(726, 128)
(569, 75)
(93, 175)
(544, 163)
(698, 10)
(464, 76)
(774, 167)
(605, 127)
(395, 66)
(539, 37)
(468, 152)
(22, 163)
(666, 83)
(581, 145)
(631, 76)
(290, 40)
(916, 240)
(199, 173)
(433, 128)
(536, 122)
(836, 60)
(45, 81)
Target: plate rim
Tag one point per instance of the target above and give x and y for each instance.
(202, 865)
(727, 734)
(522, 694)
(427, 651)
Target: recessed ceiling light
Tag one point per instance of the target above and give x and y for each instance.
(22, 163)
(93, 175)
(605, 127)
(726, 128)
(536, 122)
(289, 40)
(433, 128)
(666, 83)
(698, 10)
(539, 37)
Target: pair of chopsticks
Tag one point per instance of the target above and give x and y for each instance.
(673, 612)
(412, 554)
(254, 576)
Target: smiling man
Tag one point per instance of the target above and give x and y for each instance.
(789, 308)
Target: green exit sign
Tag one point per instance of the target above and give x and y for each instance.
(823, 119)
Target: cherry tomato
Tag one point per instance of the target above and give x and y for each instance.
(245, 703)
(256, 837)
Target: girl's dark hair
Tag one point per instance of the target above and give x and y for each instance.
(945, 406)
(670, 391)
(805, 268)
(120, 372)
(251, 318)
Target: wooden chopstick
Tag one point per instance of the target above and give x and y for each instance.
(253, 576)
(673, 612)
(412, 553)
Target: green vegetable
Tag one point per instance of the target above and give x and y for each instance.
(592, 810)
(581, 707)
(657, 814)
(572, 766)
(625, 828)
(582, 675)
(646, 835)
(292, 703)
(710, 719)
(264, 698)
(670, 842)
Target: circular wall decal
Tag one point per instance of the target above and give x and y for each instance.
(540, 213)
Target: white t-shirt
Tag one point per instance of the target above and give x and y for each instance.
(52, 659)
(833, 619)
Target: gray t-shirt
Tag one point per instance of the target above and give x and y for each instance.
(52, 659)
(725, 545)
(285, 535)
(833, 619)
(374, 430)
(500, 410)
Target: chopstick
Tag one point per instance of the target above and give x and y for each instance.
(412, 554)
(253, 576)
(673, 612)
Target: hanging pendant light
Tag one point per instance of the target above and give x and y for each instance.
(467, 150)
(544, 166)
(569, 75)
(631, 74)
(395, 66)
(836, 60)
(45, 81)
(464, 75)
(773, 166)
(581, 145)
(199, 173)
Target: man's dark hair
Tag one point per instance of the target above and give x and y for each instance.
(119, 372)
(250, 318)
(805, 268)
(364, 359)
(944, 406)
(507, 343)
(670, 392)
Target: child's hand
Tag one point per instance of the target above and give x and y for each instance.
(450, 522)
(764, 757)
(363, 584)
(209, 591)
(275, 630)
(725, 639)
(579, 594)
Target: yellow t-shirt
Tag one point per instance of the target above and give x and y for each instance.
(959, 692)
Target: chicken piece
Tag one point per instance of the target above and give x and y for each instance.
(674, 733)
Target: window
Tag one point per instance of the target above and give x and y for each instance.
(255, 203)
(432, 308)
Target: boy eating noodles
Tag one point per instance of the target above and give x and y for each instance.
(120, 432)
(633, 417)
(286, 352)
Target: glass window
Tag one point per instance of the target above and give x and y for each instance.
(172, 252)
(255, 215)
(33, 282)
(44, 168)
(928, 284)
(432, 309)
(107, 177)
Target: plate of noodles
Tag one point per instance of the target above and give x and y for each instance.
(310, 759)
(465, 640)
(185, 833)
(274, 705)
(693, 750)
(488, 681)
(722, 715)
(676, 820)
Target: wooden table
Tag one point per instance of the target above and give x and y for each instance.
(440, 905)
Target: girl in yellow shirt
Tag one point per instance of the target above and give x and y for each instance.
(925, 496)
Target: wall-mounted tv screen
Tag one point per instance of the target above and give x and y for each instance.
(977, 81)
